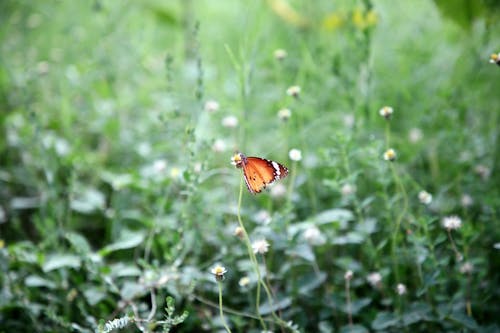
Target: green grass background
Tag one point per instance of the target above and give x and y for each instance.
(110, 186)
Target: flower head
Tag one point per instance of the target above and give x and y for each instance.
(374, 279)
(495, 58)
(260, 246)
(401, 289)
(159, 166)
(284, 114)
(244, 281)
(219, 272)
(386, 112)
(230, 122)
(293, 91)
(347, 190)
(280, 54)
(415, 135)
(314, 236)
(348, 275)
(466, 200)
(483, 171)
(263, 217)
(219, 146)
(390, 155)
(278, 190)
(452, 222)
(239, 232)
(295, 155)
(425, 197)
(211, 106)
(466, 268)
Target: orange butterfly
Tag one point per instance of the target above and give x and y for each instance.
(259, 172)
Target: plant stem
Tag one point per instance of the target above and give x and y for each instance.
(220, 308)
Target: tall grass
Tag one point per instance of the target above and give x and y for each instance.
(117, 193)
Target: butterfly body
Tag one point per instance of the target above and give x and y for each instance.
(259, 172)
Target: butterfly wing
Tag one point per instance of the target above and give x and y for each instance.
(260, 172)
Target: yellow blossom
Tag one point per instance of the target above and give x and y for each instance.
(332, 21)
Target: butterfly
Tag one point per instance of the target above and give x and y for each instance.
(258, 172)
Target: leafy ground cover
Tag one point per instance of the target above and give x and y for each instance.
(120, 209)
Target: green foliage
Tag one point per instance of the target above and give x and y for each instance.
(117, 195)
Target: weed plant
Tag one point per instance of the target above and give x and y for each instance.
(120, 210)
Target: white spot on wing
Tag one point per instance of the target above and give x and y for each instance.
(277, 171)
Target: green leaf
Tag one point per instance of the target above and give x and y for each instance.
(464, 320)
(342, 216)
(353, 329)
(94, 295)
(122, 270)
(351, 238)
(131, 290)
(127, 240)
(267, 308)
(311, 282)
(87, 201)
(38, 281)
(384, 320)
(359, 304)
(303, 251)
(56, 261)
(417, 312)
(78, 242)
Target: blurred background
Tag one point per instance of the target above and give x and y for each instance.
(118, 121)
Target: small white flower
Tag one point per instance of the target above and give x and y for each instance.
(280, 54)
(483, 171)
(295, 154)
(284, 114)
(314, 236)
(219, 146)
(230, 122)
(61, 147)
(349, 120)
(144, 149)
(347, 190)
(239, 232)
(263, 217)
(278, 190)
(495, 58)
(390, 155)
(386, 112)
(374, 279)
(219, 271)
(244, 281)
(425, 197)
(401, 289)
(260, 246)
(42, 67)
(197, 167)
(211, 106)
(466, 268)
(159, 166)
(466, 200)
(293, 91)
(175, 173)
(415, 135)
(348, 275)
(452, 222)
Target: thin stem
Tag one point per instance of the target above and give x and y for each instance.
(467, 296)
(251, 255)
(269, 284)
(348, 299)
(453, 245)
(255, 264)
(220, 308)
